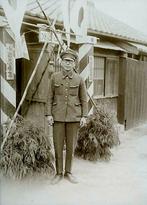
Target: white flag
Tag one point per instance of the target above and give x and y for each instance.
(14, 11)
(78, 19)
(66, 19)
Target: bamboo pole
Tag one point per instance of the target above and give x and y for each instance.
(24, 95)
(92, 101)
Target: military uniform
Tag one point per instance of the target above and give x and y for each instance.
(67, 103)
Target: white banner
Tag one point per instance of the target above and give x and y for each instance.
(14, 11)
(79, 18)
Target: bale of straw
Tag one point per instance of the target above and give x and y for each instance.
(26, 152)
(97, 137)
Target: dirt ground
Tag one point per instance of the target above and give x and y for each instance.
(122, 181)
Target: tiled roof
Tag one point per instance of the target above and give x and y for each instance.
(98, 22)
(141, 48)
(106, 24)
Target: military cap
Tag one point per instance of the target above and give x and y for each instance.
(69, 53)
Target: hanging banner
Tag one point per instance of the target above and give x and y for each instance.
(79, 18)
(14, 12)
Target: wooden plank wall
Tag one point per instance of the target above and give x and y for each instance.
(132, 103)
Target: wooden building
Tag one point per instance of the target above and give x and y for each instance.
(113, 63)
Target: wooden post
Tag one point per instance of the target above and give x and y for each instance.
(7, 75)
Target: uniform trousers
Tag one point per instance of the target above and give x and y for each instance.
(64, 132)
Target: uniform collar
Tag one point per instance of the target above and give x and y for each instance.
(67, 73)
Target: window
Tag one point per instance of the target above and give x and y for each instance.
(106, 76)
(99, 63)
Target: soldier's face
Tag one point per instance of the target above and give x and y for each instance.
(68, 64)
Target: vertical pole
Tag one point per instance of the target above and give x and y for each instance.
(85, 70)
(7, 75)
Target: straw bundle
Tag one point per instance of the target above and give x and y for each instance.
(97, 137)
(26, 152)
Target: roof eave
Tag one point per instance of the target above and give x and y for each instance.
(39, 18)
(90, 31)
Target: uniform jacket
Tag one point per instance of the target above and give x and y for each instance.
(67, 98)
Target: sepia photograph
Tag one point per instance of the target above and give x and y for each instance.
(73, 102)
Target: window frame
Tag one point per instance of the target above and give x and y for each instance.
(107, 57)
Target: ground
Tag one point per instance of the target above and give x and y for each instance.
(122, 181)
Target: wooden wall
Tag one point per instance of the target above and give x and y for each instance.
(132, 100)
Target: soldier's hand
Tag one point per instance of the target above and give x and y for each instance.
(82, 121)
(50, 120)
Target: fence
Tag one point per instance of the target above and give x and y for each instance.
(132, 101)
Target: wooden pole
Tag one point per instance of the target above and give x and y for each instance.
(24, 95)
(92, 101)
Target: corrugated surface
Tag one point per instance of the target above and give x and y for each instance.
(140, 47)
(97, 21)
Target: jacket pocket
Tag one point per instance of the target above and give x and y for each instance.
(58, 89)
(73, 89)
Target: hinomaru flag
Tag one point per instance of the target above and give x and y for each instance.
(79, 17)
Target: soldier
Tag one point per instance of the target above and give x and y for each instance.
(66, 110)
